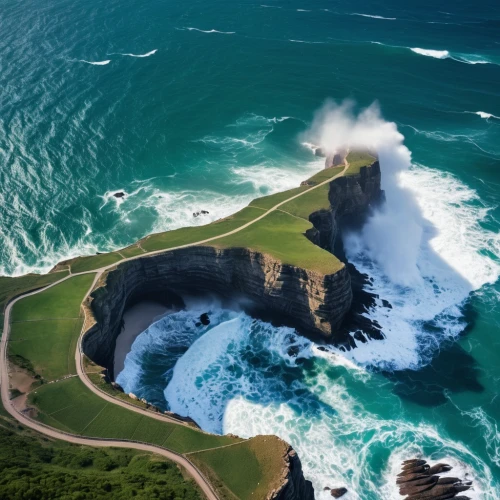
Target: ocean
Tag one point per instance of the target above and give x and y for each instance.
(188, 106)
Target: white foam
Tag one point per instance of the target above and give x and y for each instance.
(96, 63)
(305, 41)
(425, 249)
(147, 54)
(374, 17)
(212, 31)
(444, 54)
(438, 54)
(220, 385)
(268, 180)
(484, 115)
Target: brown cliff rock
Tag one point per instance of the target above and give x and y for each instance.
(293, 484)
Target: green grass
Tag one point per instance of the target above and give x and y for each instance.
(48, 344)
(308, 203)
(131, 251)
(267, 202)
(68, 405)
(324, 175)
(81, 264)
(12, 287)
(249, 470)
(282, 236)
(358, 160)
(60, 301)
(187, 235)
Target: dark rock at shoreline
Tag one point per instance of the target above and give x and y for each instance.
(200, 212)
(417, 481)
(119, 194)
(338, 492)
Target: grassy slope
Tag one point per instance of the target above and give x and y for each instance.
(60, 301)
(11, 287)
(69, 406)
(187, 235)
(45, 328)
(91, 262)
(282, 236)
(253, 481)
(358, 160)
(49, 345)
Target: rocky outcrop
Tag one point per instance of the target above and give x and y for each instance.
(310, 301)
(350, 197)
(293, 484)
(419, 481)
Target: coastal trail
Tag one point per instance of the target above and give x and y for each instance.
(22, 418)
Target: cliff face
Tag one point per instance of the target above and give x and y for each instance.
(293, 484)
(349, 196)
(312, 301)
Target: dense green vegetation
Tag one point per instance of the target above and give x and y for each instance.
(34, 468)
(187, 235)
(250, 471)
(282, 236)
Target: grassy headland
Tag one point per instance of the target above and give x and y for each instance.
(46, 327)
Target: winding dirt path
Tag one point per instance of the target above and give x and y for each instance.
(71, 438)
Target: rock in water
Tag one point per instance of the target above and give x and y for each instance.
(204, 319)
(119, 194)
(418, 481)
(338, 492)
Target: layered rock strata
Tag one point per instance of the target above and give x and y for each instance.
(312, 302)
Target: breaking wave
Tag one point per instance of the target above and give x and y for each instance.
(211, 31)
(246, 377)
(96, 63)
(147, 54)
(374, 17)
(444, 54)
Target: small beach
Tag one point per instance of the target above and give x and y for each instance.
(136, 320)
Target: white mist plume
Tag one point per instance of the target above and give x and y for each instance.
(393, 233)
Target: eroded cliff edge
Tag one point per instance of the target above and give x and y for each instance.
(315, 303)
(312, 302)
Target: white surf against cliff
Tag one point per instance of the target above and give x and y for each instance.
(425, 249)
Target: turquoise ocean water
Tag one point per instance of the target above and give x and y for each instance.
(206, 105)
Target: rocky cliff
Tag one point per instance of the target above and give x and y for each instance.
(293, 485)
(350, 196)
(312, 302)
